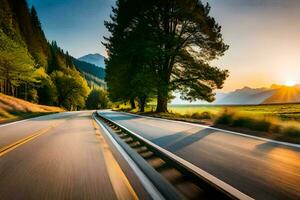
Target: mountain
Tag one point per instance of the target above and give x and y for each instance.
(252, 96)
(246, 95)
(93, 74)
(95, 59)
(255, 96)
(284, 95)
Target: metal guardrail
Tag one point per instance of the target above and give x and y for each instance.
(217, 188)
(164, 188)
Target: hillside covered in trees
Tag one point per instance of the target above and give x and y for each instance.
(34, 69)
(93, 74)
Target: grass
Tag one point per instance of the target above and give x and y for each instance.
(12, 109)
(281, 111)
(278, 121)
(267, 126)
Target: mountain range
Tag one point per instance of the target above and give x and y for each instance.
(253, 96)
(95, 59)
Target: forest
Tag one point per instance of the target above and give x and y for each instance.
(36, 70)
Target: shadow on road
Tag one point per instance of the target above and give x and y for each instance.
(182, 139)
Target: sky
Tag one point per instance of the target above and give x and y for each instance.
(263, 35)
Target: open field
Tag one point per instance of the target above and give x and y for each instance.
(12, 108)
(282, 111)
(277, 121)
(279, 111)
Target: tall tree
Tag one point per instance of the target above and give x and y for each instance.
(129, 75)
(40, 45)
(183, 39)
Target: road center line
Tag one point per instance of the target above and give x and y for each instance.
(116, 175)
(20, 142)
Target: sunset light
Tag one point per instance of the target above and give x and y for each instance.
(156, 99)
(290, 83)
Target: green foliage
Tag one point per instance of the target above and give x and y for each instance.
(173, 40)
(89, 68)
(276, 129)
(33, 95)
(58, 59)
(292, 132)
(203, 115)
(72, 89)
(93, 74)
(93, 81)
(46, 90)
(230, 119)
(97, 99)
(16, 64)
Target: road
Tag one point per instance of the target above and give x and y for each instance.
(63, 156)
(259, 168)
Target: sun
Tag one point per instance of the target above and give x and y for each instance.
(290, 83)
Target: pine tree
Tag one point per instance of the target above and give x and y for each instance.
(16, 65)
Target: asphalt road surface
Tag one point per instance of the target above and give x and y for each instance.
(259, 168)
(60, 156)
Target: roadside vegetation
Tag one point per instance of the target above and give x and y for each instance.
(12, 109)
(278, 121)
(97, 99)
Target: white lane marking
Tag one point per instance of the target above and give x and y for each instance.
(24, 120)
(43, 116)
(152, 191)
(218, 129)
(214, 180)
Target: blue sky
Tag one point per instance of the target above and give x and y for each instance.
(263, 35)
(77, 25)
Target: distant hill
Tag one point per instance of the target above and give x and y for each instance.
(95, 59)
(92, 73)
(246, 95)
(254, 96)
(284, 95)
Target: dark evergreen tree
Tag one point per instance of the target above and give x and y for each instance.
(182, 40)
(128, 72)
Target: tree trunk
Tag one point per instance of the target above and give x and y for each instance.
(162, 95)
(142, 103)
(132, 103)
(8, 88)
(162, 105)
(26, 91)
(4, 86)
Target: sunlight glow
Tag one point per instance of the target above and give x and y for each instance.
(290, 83)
